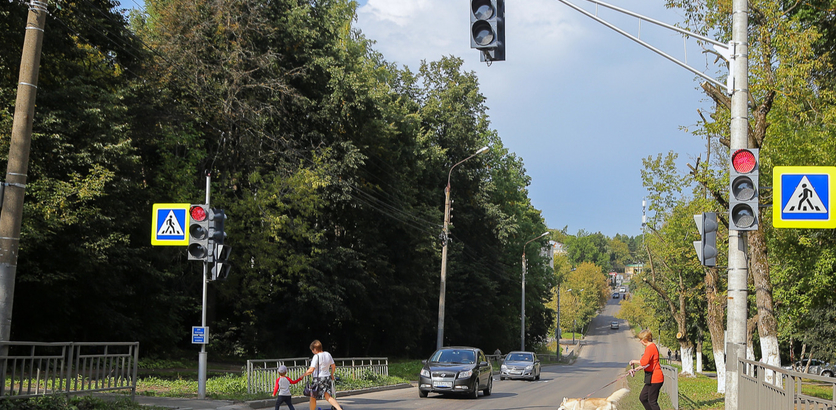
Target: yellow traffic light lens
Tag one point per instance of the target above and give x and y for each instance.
(743, 189)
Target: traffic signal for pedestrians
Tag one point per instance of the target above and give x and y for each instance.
(706, 247)
(199, 249)
(743, 190)
(487, 28)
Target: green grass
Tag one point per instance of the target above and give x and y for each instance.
(695, 393)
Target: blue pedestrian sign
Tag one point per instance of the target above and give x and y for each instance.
(168, 225)
(803, 197)
(200, 335)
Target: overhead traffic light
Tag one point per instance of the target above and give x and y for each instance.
(743, 190)
(487, 28)
(199, 249)
(706, 247)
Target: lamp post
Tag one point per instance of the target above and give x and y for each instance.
(522, 302)
(574, 315)
(441, 295)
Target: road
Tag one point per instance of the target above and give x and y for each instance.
(602, 359)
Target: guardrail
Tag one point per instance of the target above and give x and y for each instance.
(671, 385)
(33, 369)
(262, 374)
(768, 387)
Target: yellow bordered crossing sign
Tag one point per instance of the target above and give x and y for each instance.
(803, 197)
(169, 225)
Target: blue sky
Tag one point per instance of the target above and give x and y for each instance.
(578, 102)
(581, 104)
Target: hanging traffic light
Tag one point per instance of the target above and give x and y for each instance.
(743, 190)
(706, 247)
(199, 249)
(487, 28)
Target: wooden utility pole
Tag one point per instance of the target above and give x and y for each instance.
(15, 183)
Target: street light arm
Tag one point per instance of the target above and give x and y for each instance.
(449, 174)
(526, 244)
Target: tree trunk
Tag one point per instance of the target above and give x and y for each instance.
(687, 358)
(714, 318)
(767, 324)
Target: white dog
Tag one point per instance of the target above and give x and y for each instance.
(594, 403)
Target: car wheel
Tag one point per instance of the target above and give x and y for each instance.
(538, 376)
(827, 373)
(474, 392)
(422, 393)
(501, 378)
(490, 387)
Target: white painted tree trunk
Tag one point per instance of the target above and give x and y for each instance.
(687, 360)
(769, 348)
(699, 357)
(720, 364)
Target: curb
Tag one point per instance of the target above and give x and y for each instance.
(261, 404)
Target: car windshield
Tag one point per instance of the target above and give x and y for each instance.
(454, 356)
(520, 357)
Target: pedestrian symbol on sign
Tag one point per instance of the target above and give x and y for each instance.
(170, 226)
(805, 200)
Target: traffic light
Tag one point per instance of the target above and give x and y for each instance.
(706, 247)
(199, 249)
(487, 28)
(743, 190)
(220, 271)
(216, 228)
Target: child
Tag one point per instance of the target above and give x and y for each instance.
(283, 388)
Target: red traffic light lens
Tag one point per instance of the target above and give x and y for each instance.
(744, 161)
(198, 213)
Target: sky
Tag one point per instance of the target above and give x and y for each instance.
(581, 104)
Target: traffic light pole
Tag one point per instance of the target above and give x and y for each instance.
(738, 267)
(201, 358)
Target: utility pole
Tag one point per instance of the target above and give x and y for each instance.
(738, 266)
(18, 165)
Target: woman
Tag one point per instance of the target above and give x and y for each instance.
(323, 368)
(653, 377)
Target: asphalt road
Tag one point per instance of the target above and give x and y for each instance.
(602, 360)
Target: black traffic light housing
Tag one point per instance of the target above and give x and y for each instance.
(199, 248)
(706, 247)
(487, 28)
(222, 266)
(744, 170)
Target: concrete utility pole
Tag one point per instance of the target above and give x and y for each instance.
(738, 266)
(15, 185)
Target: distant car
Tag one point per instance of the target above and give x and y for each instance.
(520, 365)
(817, 367)
(615, 295)
(613, 325)
(623, 289)
(456, 370)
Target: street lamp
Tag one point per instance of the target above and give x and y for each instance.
(522, 303)
(574, 315)
(440, 339)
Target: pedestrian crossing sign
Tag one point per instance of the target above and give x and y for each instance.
(803, 197)
(169, 223)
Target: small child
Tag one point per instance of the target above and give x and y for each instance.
(283, 388)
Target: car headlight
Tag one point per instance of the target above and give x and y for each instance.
(503, 367)
(425, 373)
(529, 367)
(465, 374)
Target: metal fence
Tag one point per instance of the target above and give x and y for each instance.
(768, 387)
(262, 374)
(671, 385)
(31, 369)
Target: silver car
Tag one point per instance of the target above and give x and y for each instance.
(817, 367)
(520, 365)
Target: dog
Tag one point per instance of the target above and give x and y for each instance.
(593, 403)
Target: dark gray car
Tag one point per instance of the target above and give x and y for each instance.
(520, 365)
(456, 370)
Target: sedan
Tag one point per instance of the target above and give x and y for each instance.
(520, 365)
(456, 370)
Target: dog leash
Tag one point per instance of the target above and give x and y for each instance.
(616, 379)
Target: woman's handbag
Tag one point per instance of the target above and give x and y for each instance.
(311, 389)
(648, 376)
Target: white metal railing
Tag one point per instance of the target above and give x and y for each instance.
(768, 387)
(32, 369)
(262, 374)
